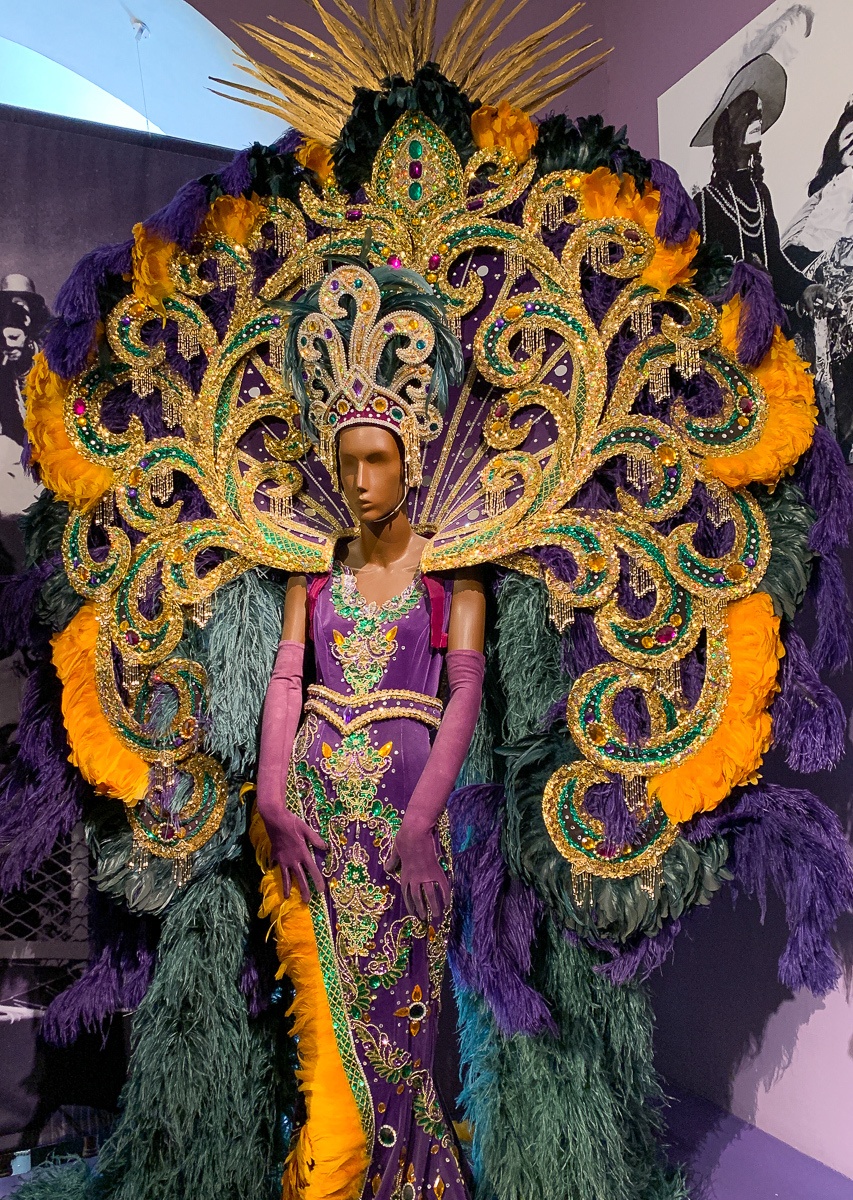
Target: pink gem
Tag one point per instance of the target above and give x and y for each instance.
(394, 261)
(666, 633)
(434, 261)
(79, 407)
(416, 169)
(167, 832)
(746, 405)
(501, 409)
(353, 214)
(132, 637)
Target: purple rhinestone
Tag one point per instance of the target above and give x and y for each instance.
(589, 715)
(327, 334)
(672, 472)
(334, 285)
(388, 327)
(358, 387)
(305, 376)
(276, 321)
(353, 214)
(749, 561)
(719, 578)
(93, 581)
(474, 204)
(75, 562)
(131, 493)
(143, 462)
(179, 741)
(125, 321)
(529, 306)
(499, 324)
(416, 169)
(654, 442)
(609, 748)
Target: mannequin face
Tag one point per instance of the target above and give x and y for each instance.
(371, 471)
(845, 145)
(745, 117)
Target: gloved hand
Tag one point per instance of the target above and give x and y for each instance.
(426, 890)
(291, 840)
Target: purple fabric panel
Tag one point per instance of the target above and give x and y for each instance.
(236, 178)
(179, 221)
(789, 839)
(808, 718)
(41, 794)
(494, 917)
(760, 311)
(678, 215)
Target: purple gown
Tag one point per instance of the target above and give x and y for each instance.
(362, 746)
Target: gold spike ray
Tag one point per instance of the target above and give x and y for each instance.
(398, 37)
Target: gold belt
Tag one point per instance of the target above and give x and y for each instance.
(375, 706)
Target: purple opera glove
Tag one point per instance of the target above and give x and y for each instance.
(426, 891)
(290, 838)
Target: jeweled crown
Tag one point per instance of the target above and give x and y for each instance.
(360, 368)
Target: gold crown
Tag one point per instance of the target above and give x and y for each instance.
(340, 379)
(316, 95)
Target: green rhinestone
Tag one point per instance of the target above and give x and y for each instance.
(415, 149)
(415, 191)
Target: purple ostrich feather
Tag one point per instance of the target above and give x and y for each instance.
(236, 178)
(41, 794)
(760, 311)
(827, 485)
(634, 964)
(180, 220)
(19, 627)
(71, 335)
(789, 839)
(678, 216)
(495, 916)
(808, 718)
(119, 973)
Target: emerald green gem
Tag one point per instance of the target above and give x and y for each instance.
(415, 191)
(415, 149)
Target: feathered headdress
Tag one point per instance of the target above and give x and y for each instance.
(372, 348)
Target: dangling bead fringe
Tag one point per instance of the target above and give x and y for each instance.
(142, 380)
(670, 680)
(561, 608)
(720, 508)
(638, 471)
(636, 796)
(281, 239)
(513, 262)
(454, 322)
(651, 878)
(581, 888)
(201, 611)
(105, 510)
(533, 338)
(641, 322)
(188, 343)
(277, 353)
(687, 359)
(162, 484)
(553, 214)
(140, 857)
(131, 674)
(496, 502)
(659, 382)
(599, 255)
(312, 271)
(639, 578)
(171, 405)
(227, 271)
(281, 506)
(182, 870)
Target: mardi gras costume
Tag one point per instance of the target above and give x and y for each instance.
(635, 465)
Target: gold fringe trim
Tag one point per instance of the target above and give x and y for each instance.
(329, 1160)
(96, 749)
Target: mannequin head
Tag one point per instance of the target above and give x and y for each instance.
(370, 466)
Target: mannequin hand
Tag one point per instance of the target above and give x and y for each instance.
(292, 841)
(426, 890)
